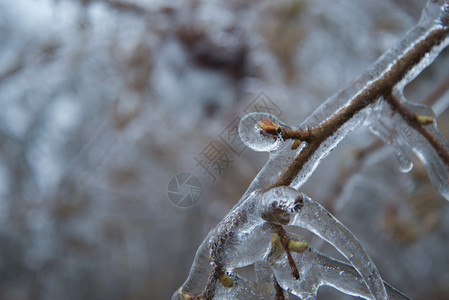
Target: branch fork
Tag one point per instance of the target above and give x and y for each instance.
(253, 232)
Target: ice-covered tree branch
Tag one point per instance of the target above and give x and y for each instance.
(253, 232)
(354, 105)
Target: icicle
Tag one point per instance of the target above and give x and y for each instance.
(426, 142)
(416, 133)
(316, 269)
(285, 205)
(316, 219)
(345, 278)
(382, 126)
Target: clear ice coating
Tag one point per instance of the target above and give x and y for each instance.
(251, 133)
(251, 219)
(434, 21)
(266, 281)
(236, 287)
(382, 126)
(313, 217)
(252, 232)
(240, 239)
(317, 269)
(426, 141)
(404, 162)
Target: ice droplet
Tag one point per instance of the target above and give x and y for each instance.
(426, 142)
(386, 129)
(252, 135)
(405, 163)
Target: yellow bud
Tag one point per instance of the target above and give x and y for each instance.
(298, 246)
(425, 120)
(227, 281)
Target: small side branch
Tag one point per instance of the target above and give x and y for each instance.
(418, 123)
(382, 86)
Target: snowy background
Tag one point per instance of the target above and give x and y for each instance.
(103, 102)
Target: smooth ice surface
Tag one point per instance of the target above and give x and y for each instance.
(317, 269)
(239, 288)
(250, 132)
(313, 217)
(381, 125)
(240, 239)
(266, 281)
(404, 162)
(434, 20)
(430, 150)
(246, 235)
(328, 145)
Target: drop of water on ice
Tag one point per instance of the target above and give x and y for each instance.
(252, 135)
(405, 163)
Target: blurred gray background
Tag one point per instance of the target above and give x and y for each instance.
(103, 102)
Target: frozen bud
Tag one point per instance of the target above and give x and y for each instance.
(261, 131)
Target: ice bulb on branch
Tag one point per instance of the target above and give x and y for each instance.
(261, 131)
